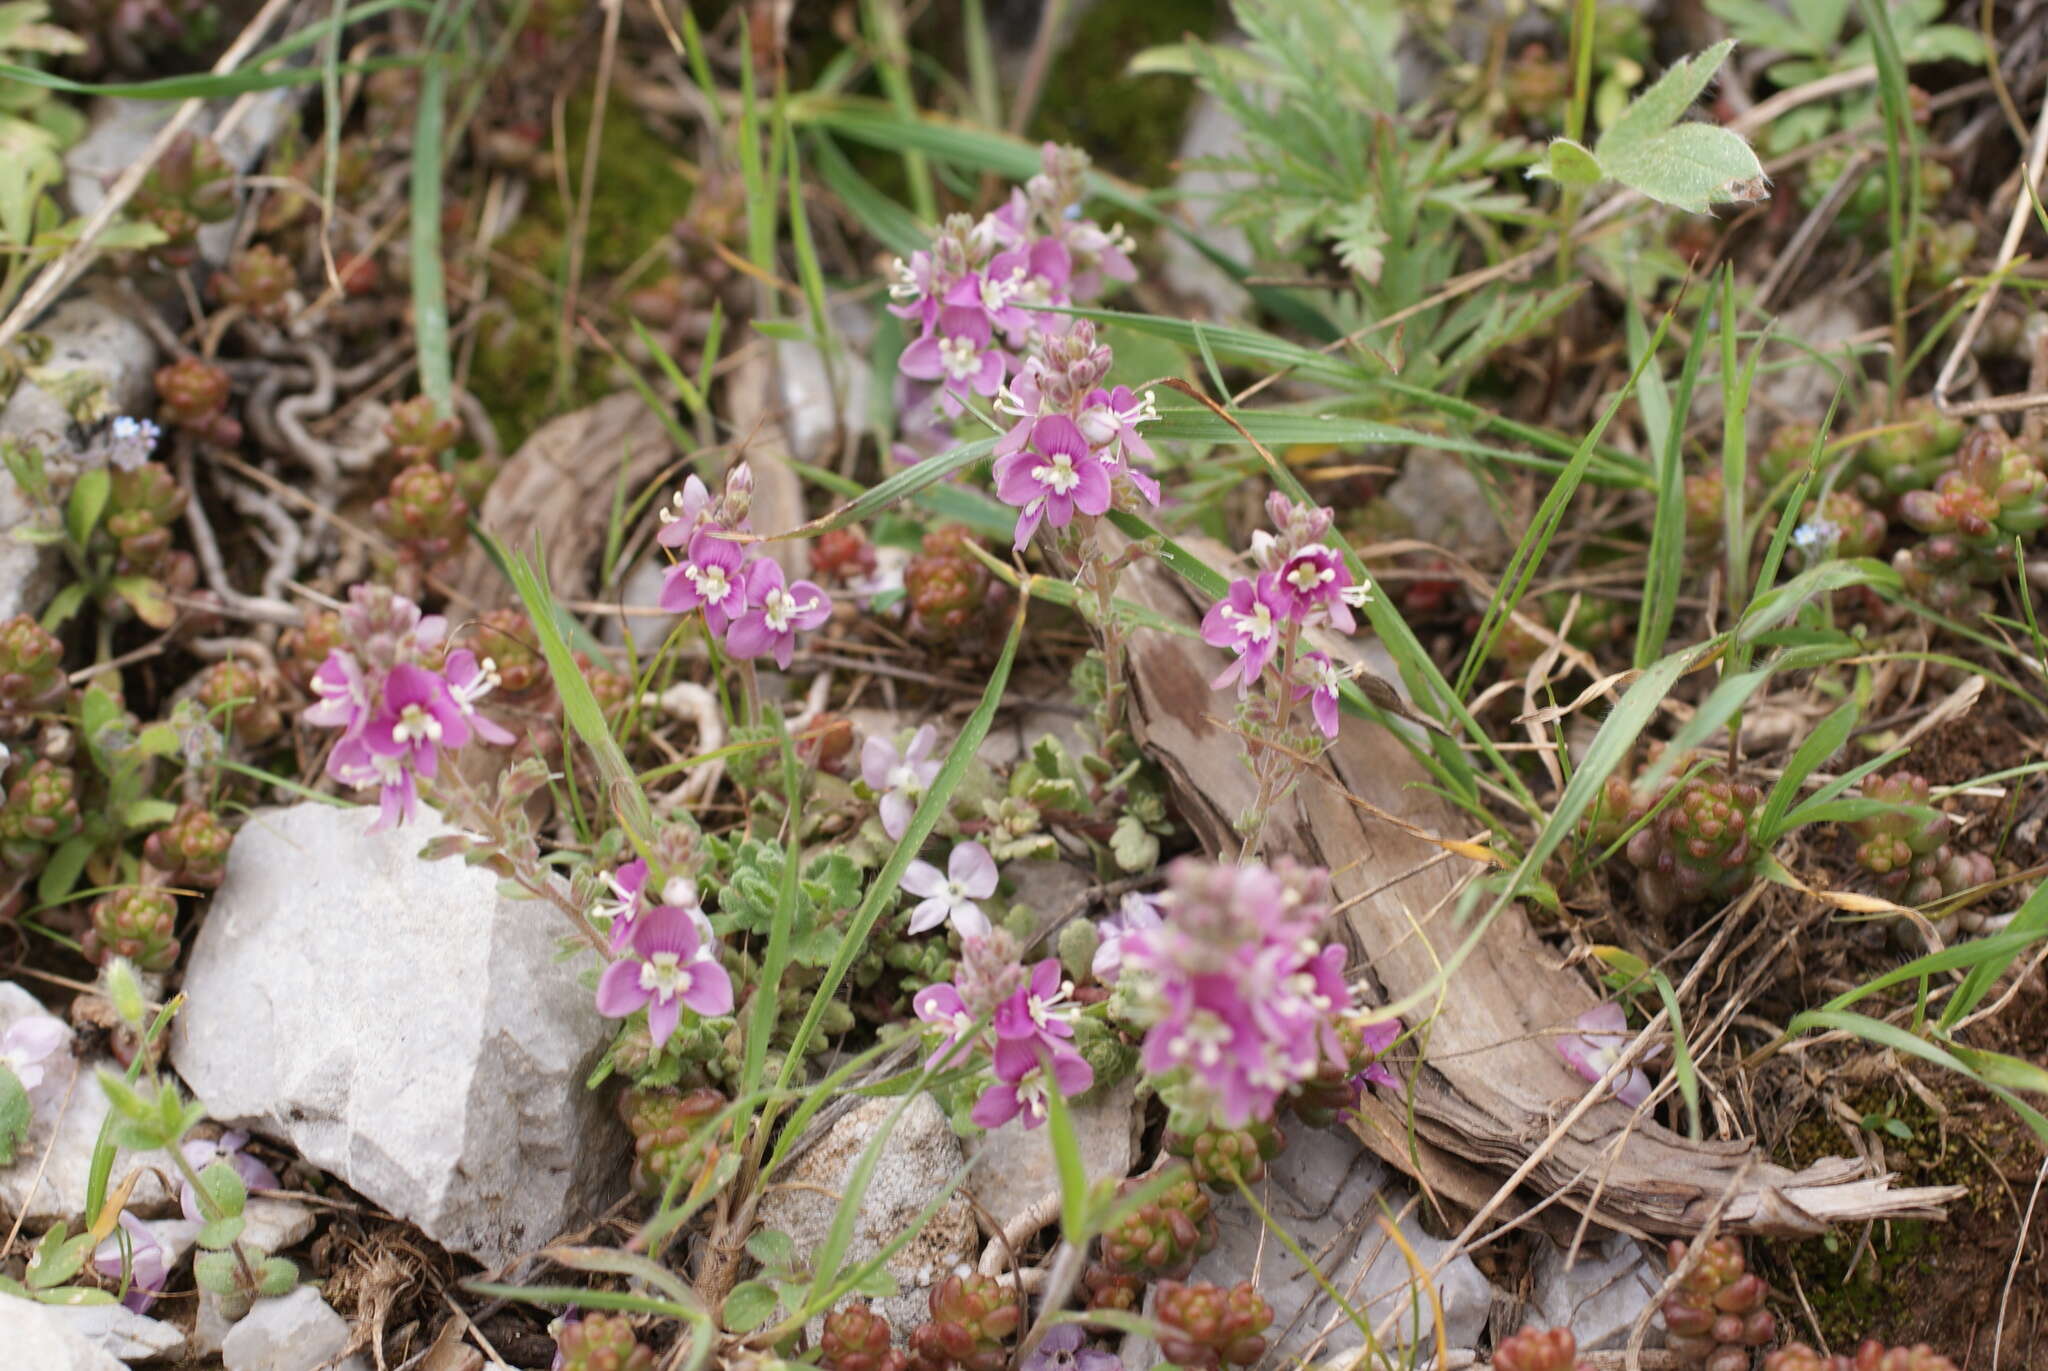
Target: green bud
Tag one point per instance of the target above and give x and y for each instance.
(1077, 944)
(124, 991)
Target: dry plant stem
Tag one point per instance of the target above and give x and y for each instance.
(260, 608)
(2015, 228)
(522, 867)
(1002, 1248)
(2019, 1251)
(1273, 765)
(60, 273)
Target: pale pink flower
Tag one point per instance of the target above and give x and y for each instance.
(951, 896)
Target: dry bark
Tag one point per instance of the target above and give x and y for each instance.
(1491, 1087)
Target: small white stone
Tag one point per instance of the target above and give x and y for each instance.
(1598, 1297)
(120, 1331)
(403, 1026)
(1326, 1190)
(295, 1333)
(66, 1132)
(36, 1336)
(1014, 1167)
(920, 1156)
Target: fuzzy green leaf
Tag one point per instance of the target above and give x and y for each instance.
(15, 1114)
(750, 1305)
(1688, 166)
(1569, 164)
(1666, 102)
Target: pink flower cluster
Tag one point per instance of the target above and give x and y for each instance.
(1303, 582)
(400, 699)
(666, 954)
(1074, 447)
(746, 602)
(1241, 999)
(979, 293)
(1029, 1038)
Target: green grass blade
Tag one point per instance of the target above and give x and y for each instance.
(2030, 921)
(429, 293)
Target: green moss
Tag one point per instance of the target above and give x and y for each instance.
(639, 195)
(1131, 125)
(1873, 1295)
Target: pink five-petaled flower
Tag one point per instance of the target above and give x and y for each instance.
(469, 681)
(202, 1153)
(1603, 1032)
(1038, 1009)
(940, 1006)
(685, 513)
(1055, 474)
(628, 885)
(1247, 621)
(416, 719)
(775, 615)
(668, 966)
(1319, 679)
(959, 356)
(149, 1266)
(1025, 1067)
(970, 875)
(1113, 416)
(708, 578)
(899, 777)
(1316, 578)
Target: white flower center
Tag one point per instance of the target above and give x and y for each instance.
(665, 975)
(960, 358)
(905, 286)
(415, 724)
(1031, 1093)
(995, 294)
(1203, 1040)
(781, 607)
(1309, 573)
(712, 582)
(903, 776)
(956, 894)
(1257, 625)
(680, 891)
(1059, 475)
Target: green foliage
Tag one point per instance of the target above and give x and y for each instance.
(748, 892)
(1649, 150)
(16, 1113)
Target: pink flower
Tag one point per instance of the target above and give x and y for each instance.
(1025, 1068)
(960, 355)
(469, 682)
(628, 886)
(344, 697)
(1376, 1038)
(777, 614)
(1052, 477)
(970, 875)
(1113, 416)
(685, 514)
(1247, 621)
(1315, 579)
(940, 1005)
(1039, 1008)
(708, 578)
(28, 1043)
(1319, 679)
(1137, 913)
(416, 719)
(201, 1154)
(900, 778)
(354, 765)
(668, 967)
(149, 1267)
(1603, 1033)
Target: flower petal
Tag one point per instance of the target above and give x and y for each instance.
(973, 870)
(618, 989)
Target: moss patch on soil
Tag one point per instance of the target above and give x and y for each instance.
(1130, 125)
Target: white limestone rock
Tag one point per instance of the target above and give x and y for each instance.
(36, 1335)
(295, 1333)
(404, 1027)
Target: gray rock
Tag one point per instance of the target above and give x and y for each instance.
(296, 1333)
(403, 1026)
(1328, 1193)
(920, 1156)
(36, 1336)
(1014, 1168)
(819, 402)
(1443, 504)
(1599, 1296)
(1212, 131)
(69, 1109)
(120, 1331)
(91, 341)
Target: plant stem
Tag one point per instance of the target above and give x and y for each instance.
(1583, 19)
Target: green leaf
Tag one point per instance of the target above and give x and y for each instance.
(770, 1247)
(276, 1276)
(146, 597)
(215, 1271)
(15, 1114)
(64, 604)
(1072, 1169)
(61, 875)
(1664, 103)
(750, 1305)
(223, 1193)
(1569, 164)
(125, 1099)
(87, 503)
(57, 1258)
(220, 1234)
(1689, 166)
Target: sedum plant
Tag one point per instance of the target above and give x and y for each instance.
(1871, 1356)
(1539, 1349)
(1717, 1314)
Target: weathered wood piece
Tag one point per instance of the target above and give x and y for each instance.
(1491, 1087)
